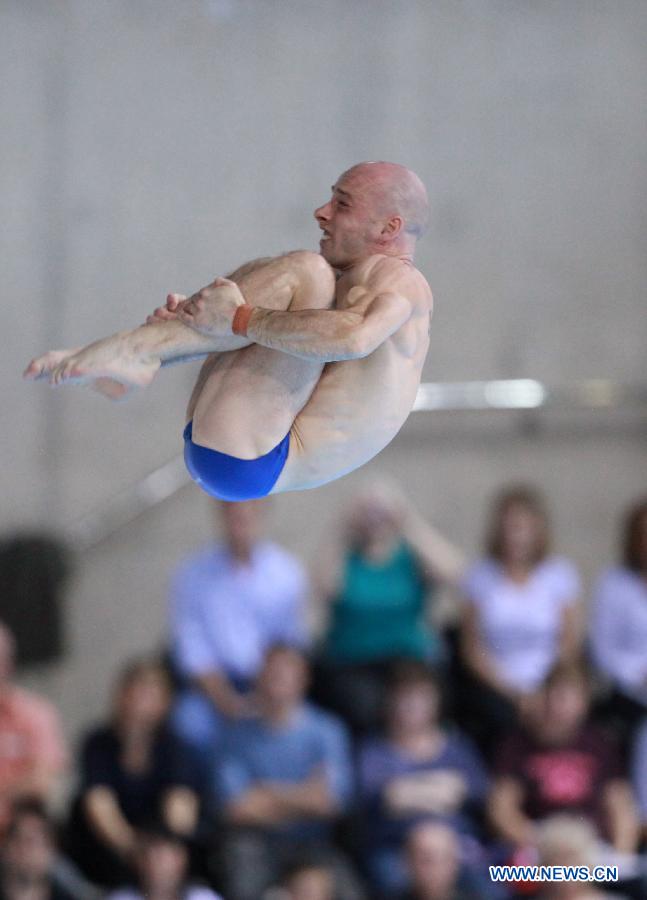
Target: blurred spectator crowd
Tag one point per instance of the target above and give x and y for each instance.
(395, 755)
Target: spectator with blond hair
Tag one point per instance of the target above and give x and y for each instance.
(378, 582)
(564, 840)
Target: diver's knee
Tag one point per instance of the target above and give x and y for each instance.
(312, 264)
(313, 273)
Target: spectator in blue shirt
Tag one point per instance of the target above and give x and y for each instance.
(283, 777)
(229, 603)
(417, 771)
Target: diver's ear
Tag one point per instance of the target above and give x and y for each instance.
(392, 228)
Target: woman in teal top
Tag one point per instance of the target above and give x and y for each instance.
(378, 590)
(380, 609)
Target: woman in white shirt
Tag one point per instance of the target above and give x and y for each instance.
(618, 627)
(521, 613)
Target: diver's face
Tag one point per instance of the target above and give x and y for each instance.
(350, 222)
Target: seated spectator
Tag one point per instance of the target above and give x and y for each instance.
(132, 769)
(619, 623)
(29, 862)
(161, 861)
(229, 602)
(380, 585)
(417, 771)
(521, 614)
(283, 778)
(434, 868)
(33, 755)
(310, 879)
(568, 841)
(560, 763)
(639, 775)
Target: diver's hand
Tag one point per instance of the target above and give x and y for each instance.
(211, 311)
(168, 313)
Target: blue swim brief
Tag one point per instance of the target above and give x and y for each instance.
(230, 478)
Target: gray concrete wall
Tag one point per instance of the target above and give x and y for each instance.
(150, 145)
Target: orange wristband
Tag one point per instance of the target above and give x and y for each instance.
(241, 319)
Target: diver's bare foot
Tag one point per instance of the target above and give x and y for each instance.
(42, 367)
(107, 365)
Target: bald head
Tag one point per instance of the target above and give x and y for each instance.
(375, 208)
(396, 191)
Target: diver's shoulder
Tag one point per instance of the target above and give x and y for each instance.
(392, 273)
(390, 269)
